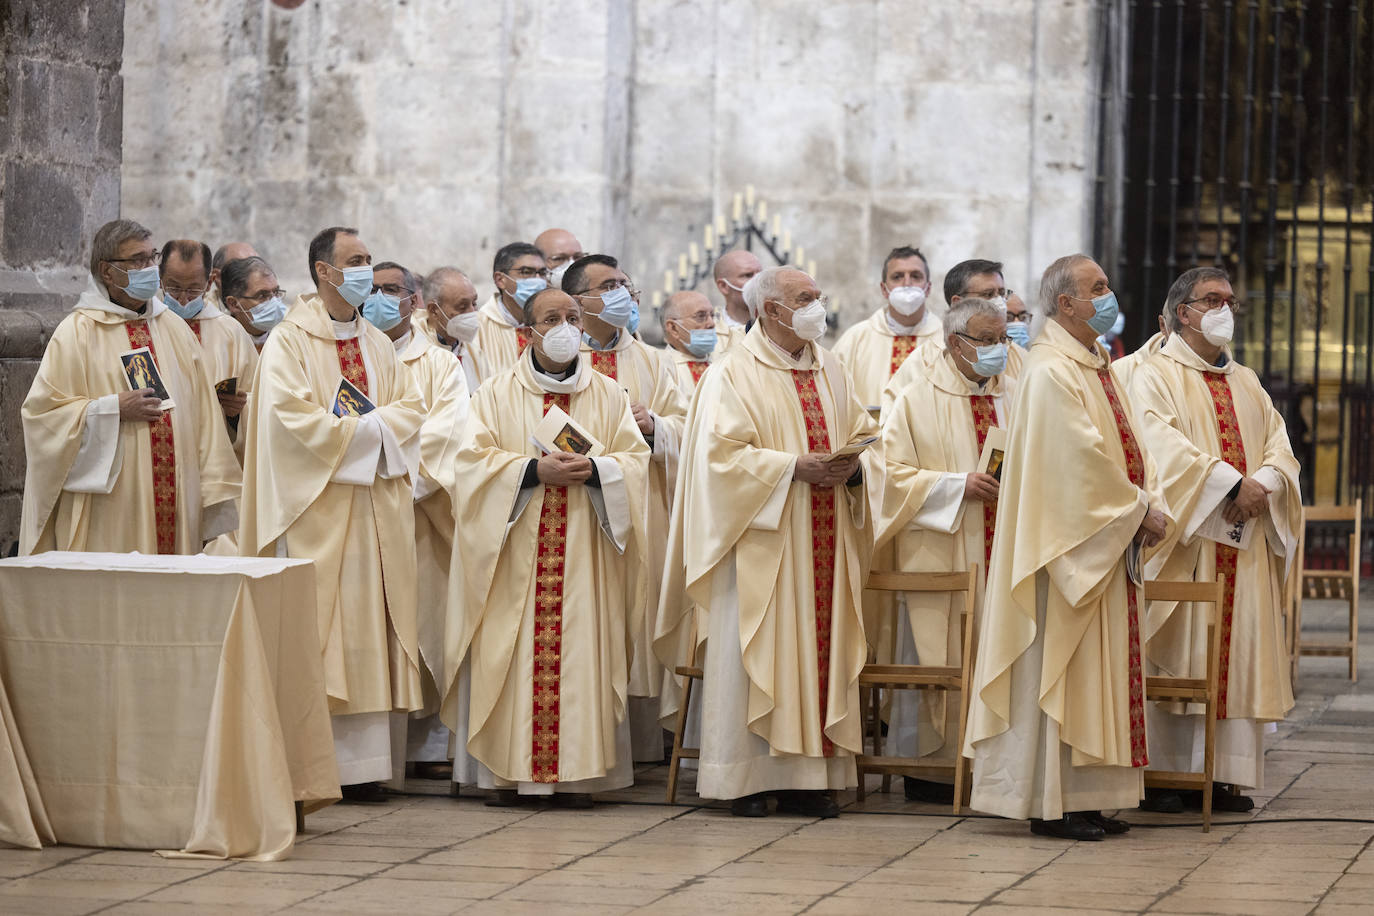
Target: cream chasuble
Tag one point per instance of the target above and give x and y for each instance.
(913, 369)
(1125, 367)
(229, 354)
(443, 389)
(932, 438)
(95, 483)
(778, 564)
(546, 592)
(500, 339)
(1206, 427)
(873, 353)
(686, 368)
(337, 490)
(728, 333)
(1057, 721)
(469, 354)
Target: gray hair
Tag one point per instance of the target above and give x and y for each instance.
(1057, 280)
(435, 280)
(764, 285)
(957, 318)
(1182, 289)
(108, 238)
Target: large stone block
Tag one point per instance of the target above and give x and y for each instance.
(437, 125)
(549, 136)
(982, 41)
(282, 130)
(674, 138)
(16, 375)
(340, 128)
(796, 149)
(91, 31)
(43, 214)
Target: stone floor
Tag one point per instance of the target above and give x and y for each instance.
(1307, 848)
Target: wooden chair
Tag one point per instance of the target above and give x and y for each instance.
(690, 673)
(1337, 584)
(1204, 690)
(1292, 598)
(874, 678)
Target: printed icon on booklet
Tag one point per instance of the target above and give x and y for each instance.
(558, 432)
(349, 401)
(140, 369)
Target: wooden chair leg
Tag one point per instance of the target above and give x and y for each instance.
(680, 729)
(1209, 742)
(300, 817)
(1355, 624)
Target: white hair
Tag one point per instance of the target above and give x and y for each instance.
(1057, 280)
(957, 318)
(766, 284)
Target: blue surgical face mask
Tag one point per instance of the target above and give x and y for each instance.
(526, 287)
(1119, 325)
(267, 315)
(616, 307)
(991, 360)
(1105, 310)
(382, 310)
(1019, 333)
(701, 342)
(187, 311)
(356, 284)
(633, 325)
(143, 283)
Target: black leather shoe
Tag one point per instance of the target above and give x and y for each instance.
(750, 805)
(1071, 826)
(1224, 798)
(923, 790)
(364, 793)
(1110, 825)
(808, 804)
(503, 798)
(1163, 801)
(579, 801)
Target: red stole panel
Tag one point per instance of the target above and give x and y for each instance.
(164, 455)
(606, 362)
(1233, 453)
(548, 620)
(984, 418)
(901, 349)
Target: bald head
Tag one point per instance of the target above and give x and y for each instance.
(559, 247)
(683, 304)
(732, 270)
(683, 313)
(229, 251)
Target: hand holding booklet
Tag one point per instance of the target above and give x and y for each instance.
(558, 432)
(994, 451)
(853, 448)
(349, 400)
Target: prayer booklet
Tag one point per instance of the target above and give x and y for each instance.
(852, 448)
(558, 432)
(994, 450)
(874, 411)
(229, 386)
(1216, 528)
(351, 402)
(141, 370)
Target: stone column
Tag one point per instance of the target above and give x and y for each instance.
(61, 107)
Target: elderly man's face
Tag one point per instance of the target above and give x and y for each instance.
(559, 248)
(183, 279)
(456, 296)
(1016, 308)
(1207, 295)
(799, 291)
(262, 286)
(550, 310)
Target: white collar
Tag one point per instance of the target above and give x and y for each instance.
(556, 386)
(345, 330)
(404, 340)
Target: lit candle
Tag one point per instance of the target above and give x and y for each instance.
(800, 259)
(682, 266)
(720, 228)
(777, 225)
(786, 241)
(763, 212)
(811, 268)
(738, 209)
(749, 195)
(668, 282)
(694, 253)
(710, 240)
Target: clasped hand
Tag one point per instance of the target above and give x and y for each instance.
(818, 472)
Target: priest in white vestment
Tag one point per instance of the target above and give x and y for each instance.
(113, 464)
(690, 337)
(547, 586)
(1057, 721)
(731, 272)
(1228, 472)
(519, 271)
(450, 318)
(938, 512)
(771, 535)
(332, 449)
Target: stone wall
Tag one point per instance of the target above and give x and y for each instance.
(445, 128)
(61, 120)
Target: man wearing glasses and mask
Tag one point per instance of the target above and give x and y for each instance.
(112, 468)
(449, 317)
(519, 271)
(1229, 474)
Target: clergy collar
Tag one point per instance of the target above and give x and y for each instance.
(403, 341)
(260, 339)
(540, 372)
(1056, 336)
(94, 298)
(345, 330)
(900, 330)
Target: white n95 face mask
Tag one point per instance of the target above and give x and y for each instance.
(808, 322)
(562, 343)
(462, 327)
(1218, 326)
(907, 300)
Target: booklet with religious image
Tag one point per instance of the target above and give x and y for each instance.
(558, 432)
(1232, 534)
(141, 371)
(853, 448)
(994, 451)
(349, 401)
(227, 386)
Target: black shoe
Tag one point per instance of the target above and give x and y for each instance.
(434, 770)
(1163, 801)
(750, 805)
(1224, 798)
(364, 793)
(1072, 826)
(808, 804)
(579, 801)
(1110, 825)
(503, 798)
(923, 790)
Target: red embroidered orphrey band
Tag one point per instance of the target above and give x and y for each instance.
(901, 349)
(605, 362)
(164, 455)
(522, 339)
(822, 540)
(1135, 470)
(984, 418)
(195, 327)
(351, 364)
(548, 620)
(697, 368)
(1233, 453)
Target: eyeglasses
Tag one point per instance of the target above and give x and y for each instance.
(983, 341)
(608, 286)
(140, 261)
(183, 292)
(261, 297)
(394, 289)
(1215, 301)
(987, 293)
(1021, 317)
(698, 318)
(525, 273)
